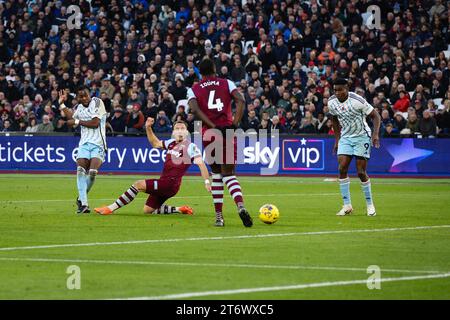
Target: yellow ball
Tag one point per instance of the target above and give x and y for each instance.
(269, 214)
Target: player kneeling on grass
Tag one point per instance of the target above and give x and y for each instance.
(180, 155)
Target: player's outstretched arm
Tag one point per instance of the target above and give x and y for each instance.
(337, 132)
(240, 107)
(204, 172)
(154, 141)
(193, 105)
(67, 111)
(376, 120)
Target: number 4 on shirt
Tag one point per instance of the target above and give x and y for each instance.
(217, 105)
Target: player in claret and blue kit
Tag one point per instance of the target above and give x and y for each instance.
(210, 99)
(181, 153)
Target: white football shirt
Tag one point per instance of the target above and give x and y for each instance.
(351, 114)
(96, 109)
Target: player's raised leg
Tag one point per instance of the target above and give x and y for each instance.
(154, 202)
(344, 184)
(128, 196)
(82, 201)
(234, 187)
(361, 166)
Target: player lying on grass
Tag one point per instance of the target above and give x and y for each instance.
(180, 155)
(353, 139)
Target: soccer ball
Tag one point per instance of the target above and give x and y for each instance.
(269, 214)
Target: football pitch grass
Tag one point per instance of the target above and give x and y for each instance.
(310, 253)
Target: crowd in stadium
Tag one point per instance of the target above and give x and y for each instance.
(141, 56)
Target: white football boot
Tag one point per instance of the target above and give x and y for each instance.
(346, 210)
(371, 211)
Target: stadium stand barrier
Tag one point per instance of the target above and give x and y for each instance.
(288, 155)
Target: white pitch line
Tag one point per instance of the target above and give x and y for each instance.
(180, 197)
(269, 235)
(281, 288)
(209, 196)
(222, 265)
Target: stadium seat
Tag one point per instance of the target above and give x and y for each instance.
(447, 54)
(360, 61)
(184, 103)
(411, 93)
(432, 60)
(437, 101)
(247, 43)
(365, 16)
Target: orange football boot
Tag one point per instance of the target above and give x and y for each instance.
(103, 210)
(186, 210)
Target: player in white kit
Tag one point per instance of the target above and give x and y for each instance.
(354, 138)
(91, 115)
